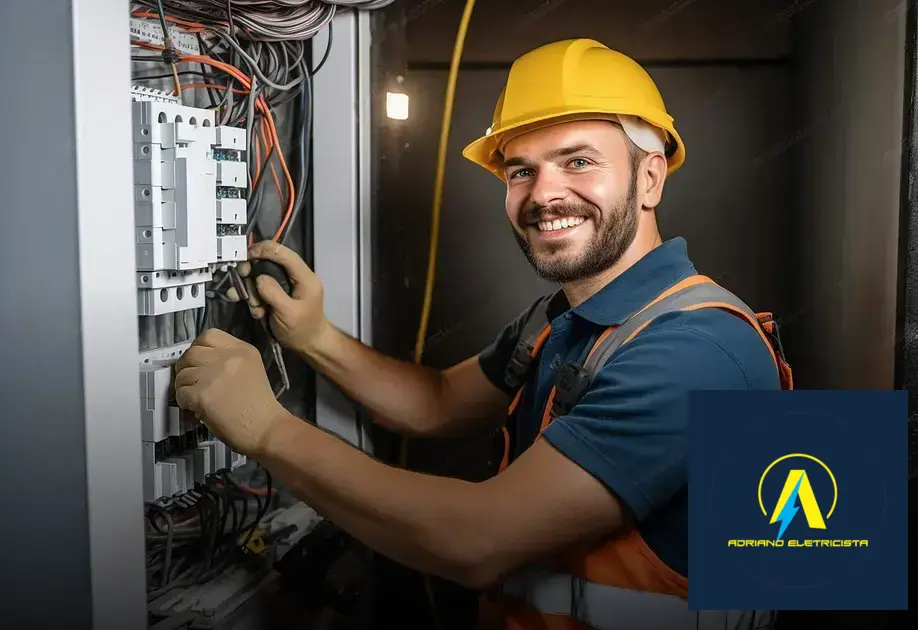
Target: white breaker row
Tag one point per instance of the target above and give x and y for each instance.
(190, 180)
(166, 473)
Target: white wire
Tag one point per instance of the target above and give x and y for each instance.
(366, 5)
(272, 20)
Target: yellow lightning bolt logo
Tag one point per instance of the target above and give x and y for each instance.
(796, 487)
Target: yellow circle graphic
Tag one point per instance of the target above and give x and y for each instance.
(805, 456)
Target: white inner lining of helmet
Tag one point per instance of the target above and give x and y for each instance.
(648, 137)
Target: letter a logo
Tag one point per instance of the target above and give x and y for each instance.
(797, 486)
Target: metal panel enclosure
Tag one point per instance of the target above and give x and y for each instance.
(341, 198)
(71, 449)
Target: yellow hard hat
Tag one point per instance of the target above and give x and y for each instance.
(575, 79)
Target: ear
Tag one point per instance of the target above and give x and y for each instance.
(651, 177)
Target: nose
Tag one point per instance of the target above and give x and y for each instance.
(547, 187)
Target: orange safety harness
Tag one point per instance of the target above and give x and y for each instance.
(593, 590)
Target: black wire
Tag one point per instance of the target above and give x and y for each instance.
(150, 77)
(328, 47)
(214, 523)
(155, 525)
(170, 527)
(162, 19)
(227, 93)
(229, 18)
(221, 534)
(304, 146)
(205, 553)
(254, 201)
(206, 72)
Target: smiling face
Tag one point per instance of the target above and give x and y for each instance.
(572, 197)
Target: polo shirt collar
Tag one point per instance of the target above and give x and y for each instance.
(612, 305)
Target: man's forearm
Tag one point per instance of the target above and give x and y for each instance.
(431, 524)
(403, 397)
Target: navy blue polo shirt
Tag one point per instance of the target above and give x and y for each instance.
(630, 429)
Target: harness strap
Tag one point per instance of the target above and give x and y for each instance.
(694, 296)
(533, 336)
(693, 293)
(529, 344)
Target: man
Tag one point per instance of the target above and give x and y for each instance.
(583, 141)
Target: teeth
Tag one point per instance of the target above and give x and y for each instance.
(560, 224)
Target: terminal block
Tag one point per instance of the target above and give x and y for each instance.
(190, 183)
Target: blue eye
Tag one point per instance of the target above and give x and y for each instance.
(520, 173)
(579, 163)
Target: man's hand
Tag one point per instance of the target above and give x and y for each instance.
(297, 320)
(223, 382)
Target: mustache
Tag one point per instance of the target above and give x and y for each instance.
(534, 213)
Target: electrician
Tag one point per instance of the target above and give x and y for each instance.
(582, 139)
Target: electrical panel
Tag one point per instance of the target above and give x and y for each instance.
(190, 182)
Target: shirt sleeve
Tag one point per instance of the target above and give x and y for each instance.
(630, 430)
(494, 359)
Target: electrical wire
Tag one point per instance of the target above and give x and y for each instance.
(435, 235)
(328, 47)
(440, 175)
(366, 5)
(262, 20)
(206, 530)
(169, 54)
(304, 147)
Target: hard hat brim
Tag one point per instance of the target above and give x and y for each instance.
(483, 150)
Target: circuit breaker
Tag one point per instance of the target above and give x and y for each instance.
(190, 183)
(190, 179)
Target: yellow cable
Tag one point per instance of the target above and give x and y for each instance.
(438, 182)
(435, 234)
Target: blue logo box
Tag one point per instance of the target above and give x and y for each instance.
(798, 500)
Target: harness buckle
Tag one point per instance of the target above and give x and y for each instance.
(771, 328)
(572, 383)
(518, 366)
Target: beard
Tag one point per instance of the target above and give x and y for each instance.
(613, 233)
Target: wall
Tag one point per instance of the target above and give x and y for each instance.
(850, 78)
(650, 30)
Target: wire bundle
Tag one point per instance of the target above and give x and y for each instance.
(247, 81)
(193, 538)
(268, 20)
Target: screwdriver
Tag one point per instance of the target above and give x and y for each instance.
(247, 292)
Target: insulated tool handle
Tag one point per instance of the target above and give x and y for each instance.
(276, 271)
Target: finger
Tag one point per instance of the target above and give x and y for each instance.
(254, 299)
(187, 398)
(195, 356)
(186, 377)
(214, 338)
(271, 292)
(244, 268)
(232, 294)
(285, 257)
